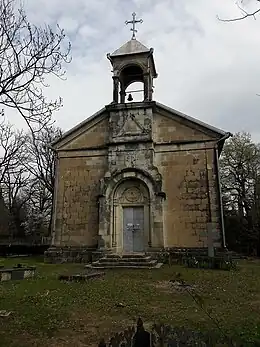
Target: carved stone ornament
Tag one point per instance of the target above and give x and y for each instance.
(133, 194)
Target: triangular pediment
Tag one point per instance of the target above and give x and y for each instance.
(131, 127)
(187, 125)
(169, 126)
(92, 132)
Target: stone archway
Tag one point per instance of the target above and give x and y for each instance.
(112, 199)
(130, 222)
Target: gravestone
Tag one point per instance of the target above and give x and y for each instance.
(18, 272)
(142, 338)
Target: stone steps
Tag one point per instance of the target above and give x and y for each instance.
(126, 266)
(127, 255)
(126, 261)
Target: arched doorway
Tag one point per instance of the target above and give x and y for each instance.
(131, 216)
(114, 197)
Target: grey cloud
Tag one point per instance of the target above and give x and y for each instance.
(206, 68)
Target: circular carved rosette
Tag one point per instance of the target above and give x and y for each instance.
(133, 194)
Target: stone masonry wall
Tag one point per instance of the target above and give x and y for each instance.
(167, 129)
(76, 222)
(185, 158)
(131, 155)
(97, 135)
(188, 205)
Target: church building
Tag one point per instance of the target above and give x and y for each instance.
(136, 176)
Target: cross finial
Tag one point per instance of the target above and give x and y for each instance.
(134, 21)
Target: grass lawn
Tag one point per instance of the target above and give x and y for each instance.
(47, 312)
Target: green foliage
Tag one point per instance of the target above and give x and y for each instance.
(240, 180)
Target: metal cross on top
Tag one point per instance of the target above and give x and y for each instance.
(134, 21)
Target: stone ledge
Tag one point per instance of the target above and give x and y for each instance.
(56, 255)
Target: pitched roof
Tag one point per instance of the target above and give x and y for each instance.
(77, 127)
(131, 47)
(159, 106)
(191, 119)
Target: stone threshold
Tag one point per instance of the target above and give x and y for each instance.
(114, 267)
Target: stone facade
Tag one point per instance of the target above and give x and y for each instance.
(139, 159)
(144, 148)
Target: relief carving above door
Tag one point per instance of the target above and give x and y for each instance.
(133, 194)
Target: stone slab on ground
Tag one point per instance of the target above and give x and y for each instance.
(4, 313)
(81, 277)
(113, 266)
(18, 272)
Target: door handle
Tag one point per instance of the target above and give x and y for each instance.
(136, 227)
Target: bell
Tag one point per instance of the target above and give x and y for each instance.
(130, 98)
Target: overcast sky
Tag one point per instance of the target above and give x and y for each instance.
(207, 69)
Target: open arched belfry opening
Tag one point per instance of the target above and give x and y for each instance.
(133, 62)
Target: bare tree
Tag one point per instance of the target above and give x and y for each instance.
(244, 13)
(41, 159)
(28, 55)
(39, 211)
(29, 203)
(41, 164)
(13, 175)
(27, 174)
(11, 148)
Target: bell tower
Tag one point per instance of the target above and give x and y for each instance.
(131, 153)
(132, 62)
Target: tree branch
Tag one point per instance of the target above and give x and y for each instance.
(245, 14)
(28, 55)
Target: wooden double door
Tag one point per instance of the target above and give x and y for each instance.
(133, 229)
